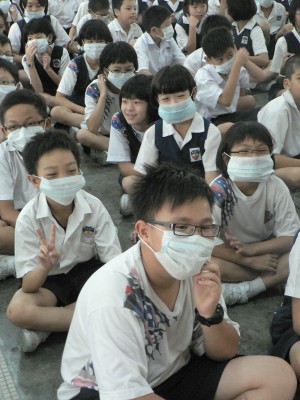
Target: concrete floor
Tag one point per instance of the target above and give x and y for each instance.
(36, 376)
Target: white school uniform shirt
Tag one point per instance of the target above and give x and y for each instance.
(82, 21)
(195, 61)
(213, 7)
(82, 11)
(14, 185)
(142, 342)
(280, 49)
(91, 98)
(64, 10)
(210, 85)
(276, 19)
(154, 58)
(14, 34)
(172, 6)
(149, 153)
(118, 34)
(64, 61)
(256, 35)
(293, 283)
(282, 118)
(269, 212)
(182, 37)
(90, 232)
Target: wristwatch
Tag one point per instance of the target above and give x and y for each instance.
(217, 318)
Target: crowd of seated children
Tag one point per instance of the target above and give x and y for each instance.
(256, 213)
(127, 131)
(118, 63)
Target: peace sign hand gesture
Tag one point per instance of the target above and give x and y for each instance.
(48, 256)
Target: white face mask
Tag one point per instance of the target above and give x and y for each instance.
(61, 190)
(41, 44)
(34, 14)
(7, 58)
(266, 3)
(118, 80)
(17, 140)
(93, 50)
(168, 33)
(183, 256)
(250, 169)
(4, 6)
(225, 68)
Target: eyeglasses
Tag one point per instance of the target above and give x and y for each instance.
(189, 230)
(254, 151)
(15, 127)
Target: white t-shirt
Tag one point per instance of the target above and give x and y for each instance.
(269, 212)
(14, 34)
(91, 98)
(64, 10)
(118, 34)
(69, 78)
(280, 49)
(14, 183)
(90, 232)
(276, 19)
(149, 153)
(293, 283)
(123, 338)
(256, 35)
(282, 118)
(210, 85)
(195, 61)
(118, 148)
(154, 58)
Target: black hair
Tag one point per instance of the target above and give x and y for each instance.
(39, 25)
(294, 6)
(94, 29)
(166, 183)
(215, 21)
(172, 79)
(45, 142)
(236, 134)
(23, 96)
(188, 3)
(139, 87)
(10, 68)
(96, 5)
(291, 64)
(241, 10)
(118, 52)
(116, 4)
(4, 40)
(43, 3)
(217, 41)
(154, 16)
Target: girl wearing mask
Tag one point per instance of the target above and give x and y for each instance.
(44, 62)
(118, 63)
(80, 72)
(256, 212)
(182, 136)
(34, 9)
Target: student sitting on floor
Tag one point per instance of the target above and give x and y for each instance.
(97, 9)
(63, 236)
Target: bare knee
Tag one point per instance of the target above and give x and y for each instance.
(19, 312)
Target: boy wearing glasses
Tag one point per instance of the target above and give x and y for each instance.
(152, 323)
(23, 113)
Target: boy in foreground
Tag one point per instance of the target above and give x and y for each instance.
(152, 323)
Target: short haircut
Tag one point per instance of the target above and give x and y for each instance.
(188, 3)
(4, 40)
(214, 21)
(39, 25)
(139, 87)
(166, 183)
(10, 68)
(291, 65)
(23, 96)
(43, 3)
(94, 29)
(96, 5)
(45, 142)
(154, 16)
(116, 4)
(119, 52)
(172, 79)
(294, 6)
(236, 134)
(217, 41)
(241, 10)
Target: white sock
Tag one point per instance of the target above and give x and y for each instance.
(255, 287)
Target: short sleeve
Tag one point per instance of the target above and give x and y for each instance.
(211, 146)
(258, 41)
(69, 79)
(148, 153)
(118, 148)
(182, 37)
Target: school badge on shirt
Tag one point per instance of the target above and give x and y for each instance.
(195, 154)
(88, 232)
(244, 40)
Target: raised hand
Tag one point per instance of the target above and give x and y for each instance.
(48, 255)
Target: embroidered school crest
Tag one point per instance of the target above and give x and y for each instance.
(279, 18)
(268, 217)
(244, 40)
(195, 154)
(88, 231)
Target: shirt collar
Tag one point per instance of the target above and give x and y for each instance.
(197, 125)
(290, 99)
